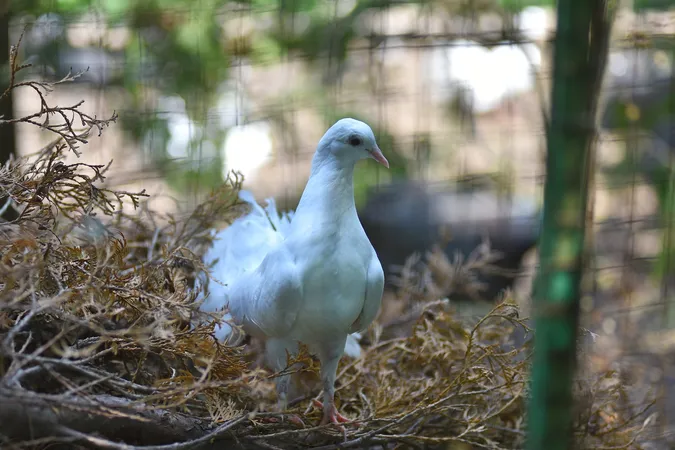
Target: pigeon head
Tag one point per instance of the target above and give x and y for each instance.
(350, 140)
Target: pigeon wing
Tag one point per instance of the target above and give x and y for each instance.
(267, 300)
(372, 296)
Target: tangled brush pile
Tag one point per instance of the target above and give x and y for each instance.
(100, 347)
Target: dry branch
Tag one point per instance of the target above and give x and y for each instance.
(26, 416)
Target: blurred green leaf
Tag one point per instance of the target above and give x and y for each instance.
(70, 5)
(116, 7)
(653, 4)
(193, 179)
(294, 6)
(265, 50)
(519, 5)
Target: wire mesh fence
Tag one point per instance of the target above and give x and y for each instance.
(457, 94)
(446, 107)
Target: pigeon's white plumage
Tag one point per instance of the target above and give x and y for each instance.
(240, 248)
(321, 280)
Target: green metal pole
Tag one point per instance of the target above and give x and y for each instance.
(578, 63)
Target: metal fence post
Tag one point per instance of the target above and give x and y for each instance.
(579, 56)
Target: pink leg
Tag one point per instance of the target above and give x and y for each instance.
(331, 414)
(330, 356)
(282, 391)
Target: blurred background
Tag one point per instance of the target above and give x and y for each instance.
(457, 94)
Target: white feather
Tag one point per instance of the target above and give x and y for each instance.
(240, 248)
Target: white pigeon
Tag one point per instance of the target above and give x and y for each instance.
(240, 248)
(323, 281)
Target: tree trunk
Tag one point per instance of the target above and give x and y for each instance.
(7, 131)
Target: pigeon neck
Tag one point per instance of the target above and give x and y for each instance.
(329, 194)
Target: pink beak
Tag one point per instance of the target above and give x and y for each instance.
(377, 155)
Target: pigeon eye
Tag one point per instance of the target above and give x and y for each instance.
(355, 141)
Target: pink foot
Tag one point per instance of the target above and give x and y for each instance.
(293, 418)
(332, 416)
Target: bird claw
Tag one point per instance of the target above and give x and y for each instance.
(293, 418)
(333, 416)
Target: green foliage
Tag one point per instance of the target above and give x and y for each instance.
(193, 177)
(116, 7)
(265, 50)
(639, 5)
(518, 5)
(649, 108)
(626, 115)
(183, 44)
(176, 47)
(183, 48)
